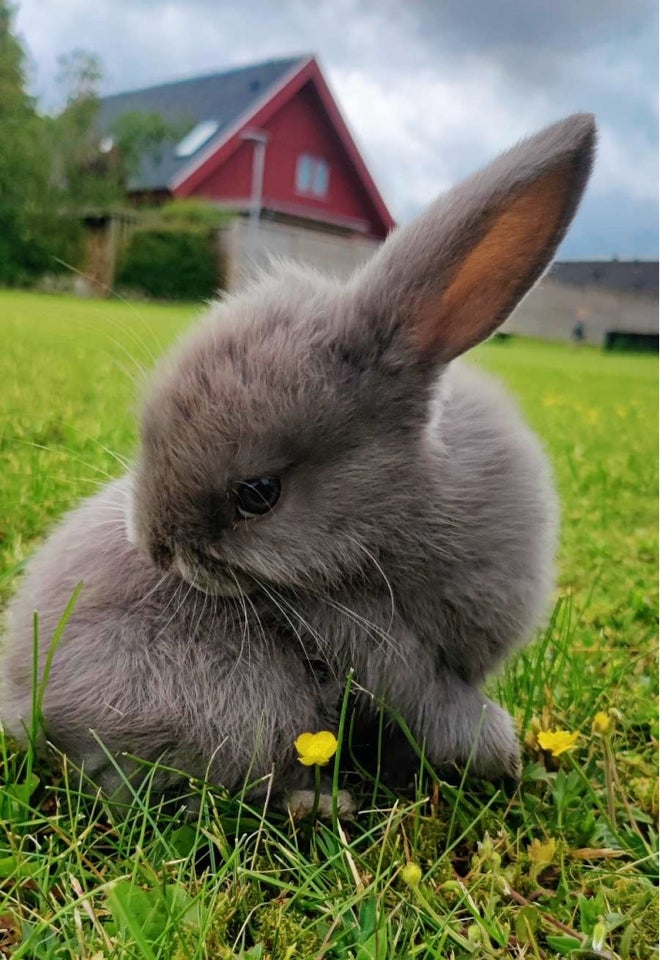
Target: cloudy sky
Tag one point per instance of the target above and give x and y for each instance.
(431, 88)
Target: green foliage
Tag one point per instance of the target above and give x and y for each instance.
(170, 263)
(53, 170)
(87, 177)
(545, 871)
(193, 214)
(38, 225)
(37, 242)
(138, 134)
(24, 163)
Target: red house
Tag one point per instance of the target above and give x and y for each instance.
(269, 141)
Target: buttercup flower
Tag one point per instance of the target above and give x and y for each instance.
(557, 741)
(602, 723)
(411, 874)
(316, 748)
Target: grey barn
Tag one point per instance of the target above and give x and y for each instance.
(614, 301)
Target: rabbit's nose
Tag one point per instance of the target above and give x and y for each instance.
(161, 554)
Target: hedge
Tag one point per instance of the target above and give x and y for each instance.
(38, 243)
(173, 264)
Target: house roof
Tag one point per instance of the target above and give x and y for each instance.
(230, 104)
(222, 98)
(625, 276)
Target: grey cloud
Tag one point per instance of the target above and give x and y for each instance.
(453, 81)
(562, 25)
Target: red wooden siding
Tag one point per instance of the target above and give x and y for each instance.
(231, 180)
(300, 126)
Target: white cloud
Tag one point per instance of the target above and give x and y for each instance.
(628, 166)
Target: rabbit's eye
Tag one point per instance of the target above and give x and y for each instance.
(257, 496)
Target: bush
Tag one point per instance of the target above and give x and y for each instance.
(193, 214)
(21, 256)
(37, 243)
(62, 236)
(172, 264)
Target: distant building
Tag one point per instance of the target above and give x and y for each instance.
(268, 142)
(612, 302)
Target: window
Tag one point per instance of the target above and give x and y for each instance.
(196, 138)
(304, 174)
(321, 177)
(312, 175)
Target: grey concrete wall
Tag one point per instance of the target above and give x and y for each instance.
(552, 309)
(549, 312)
(247, 250)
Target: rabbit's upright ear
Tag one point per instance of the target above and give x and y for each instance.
(452, 276)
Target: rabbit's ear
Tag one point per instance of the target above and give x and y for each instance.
(453, 275)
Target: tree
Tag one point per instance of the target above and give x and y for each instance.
(24, 161)
(53, 170)
(87, 175)
(138, 135)
(94, 166)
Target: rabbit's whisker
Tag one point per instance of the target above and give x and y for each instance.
(124, 326)
(382, 638)
(322, 642)
(245, 632)
(68, 452)
(153, 590)
(289, 621)
(177, 610)
(381, 572)
(122, 461)
(205, 601)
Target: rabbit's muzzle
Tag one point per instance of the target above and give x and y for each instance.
(220, 581)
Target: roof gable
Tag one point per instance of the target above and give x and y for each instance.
(226, 143)
(219, 99)
(299, 128)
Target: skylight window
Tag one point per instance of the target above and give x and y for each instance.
(196, 138)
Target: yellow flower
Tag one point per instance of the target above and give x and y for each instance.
(557, 741)
(602, 723)
(316, 748)
(411, 874)
(542, 852)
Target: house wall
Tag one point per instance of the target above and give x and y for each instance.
(246, 250)
(300, 126)
(552, 309)
(232, 180)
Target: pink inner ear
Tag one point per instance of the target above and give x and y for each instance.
(512, 250)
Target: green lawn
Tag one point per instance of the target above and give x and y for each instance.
(564, 863)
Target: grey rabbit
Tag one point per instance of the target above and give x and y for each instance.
(318, 487)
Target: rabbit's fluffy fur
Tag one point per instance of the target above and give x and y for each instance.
(413, 540)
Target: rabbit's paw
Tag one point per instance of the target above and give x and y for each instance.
(301, 803)
(496, 754)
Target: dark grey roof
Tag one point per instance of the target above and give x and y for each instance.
(631, 276)
(219, 97)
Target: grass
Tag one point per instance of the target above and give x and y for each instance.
(562, 866)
